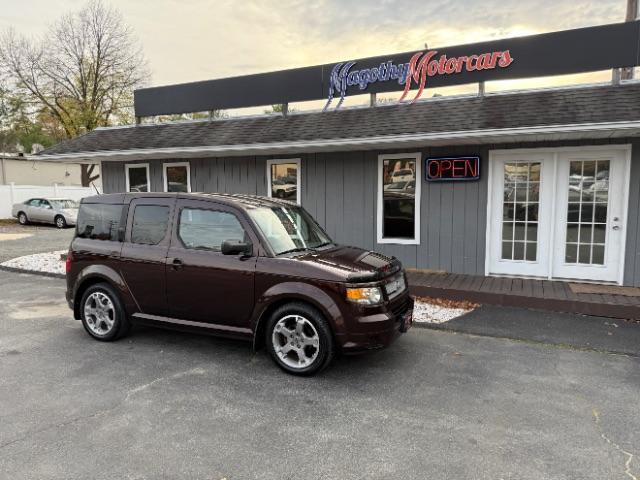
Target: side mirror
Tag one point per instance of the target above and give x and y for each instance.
(236, 247)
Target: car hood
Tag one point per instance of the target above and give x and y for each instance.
(351, 264)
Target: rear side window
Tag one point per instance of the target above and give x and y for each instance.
(98, 221)
(207, 229)
(149, 224)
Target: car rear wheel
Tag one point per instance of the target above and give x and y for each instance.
(102, 313)
(299, 339)
(22, 218)
(60, 222)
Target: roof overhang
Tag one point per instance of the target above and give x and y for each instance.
(544, 133)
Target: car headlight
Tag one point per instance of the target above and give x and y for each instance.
(364, 296)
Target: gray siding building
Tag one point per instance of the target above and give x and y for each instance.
(556, 195)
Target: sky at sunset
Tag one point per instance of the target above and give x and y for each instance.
(189, 40)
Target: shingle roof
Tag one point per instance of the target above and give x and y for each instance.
(583, 105)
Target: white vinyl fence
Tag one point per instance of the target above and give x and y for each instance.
(10, 194)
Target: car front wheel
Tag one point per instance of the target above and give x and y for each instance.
(102, 313)
(299, 339)
(22, 218)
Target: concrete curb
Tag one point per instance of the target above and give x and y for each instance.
(32, 272)
(582, 348)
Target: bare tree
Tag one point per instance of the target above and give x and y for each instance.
(82, 72)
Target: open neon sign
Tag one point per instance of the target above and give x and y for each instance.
(441, 169)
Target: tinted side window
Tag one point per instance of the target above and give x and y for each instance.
(207, 229)
(149, 224)
(99, 222)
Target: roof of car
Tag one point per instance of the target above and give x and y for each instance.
(238, 200)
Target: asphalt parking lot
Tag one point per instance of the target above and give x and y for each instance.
(161, 404)
(33, 238)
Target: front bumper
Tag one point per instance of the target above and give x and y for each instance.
(378, 330)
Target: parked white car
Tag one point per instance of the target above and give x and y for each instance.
(283, 189)
(402, 175)
(61, 212)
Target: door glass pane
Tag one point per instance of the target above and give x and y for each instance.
(587, 212)
(149, 224)
(207, 229)
(520, 211)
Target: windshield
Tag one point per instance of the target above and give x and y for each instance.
(289, 228)
(64, 203)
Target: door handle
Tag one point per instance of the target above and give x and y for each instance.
(615, 227)
(175, 263)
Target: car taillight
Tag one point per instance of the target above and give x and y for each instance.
(68, 262)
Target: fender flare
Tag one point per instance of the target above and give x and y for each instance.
(95, 273)
(292, 291)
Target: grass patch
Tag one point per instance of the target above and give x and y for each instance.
(8, 221)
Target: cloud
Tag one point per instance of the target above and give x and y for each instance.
(189, 40)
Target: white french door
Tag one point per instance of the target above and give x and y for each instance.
(558, 213)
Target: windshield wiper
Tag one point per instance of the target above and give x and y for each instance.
(323, 244)
(298, 249)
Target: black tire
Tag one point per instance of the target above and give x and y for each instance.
(326, 348)
(121, 324)
(60, 221)
(22, 218)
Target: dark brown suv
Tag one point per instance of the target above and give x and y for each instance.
(238, 266)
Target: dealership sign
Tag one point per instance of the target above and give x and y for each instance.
(440, 169)
(581, 50)
(419, 67)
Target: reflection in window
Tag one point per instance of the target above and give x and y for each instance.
(149, 224)
(177, 178)
(587, 212)
(284, 181)
(521, 197)
(138, 181)
(399, 203)
(207, 229)
(98, 221)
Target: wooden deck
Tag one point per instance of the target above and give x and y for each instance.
(515, 292)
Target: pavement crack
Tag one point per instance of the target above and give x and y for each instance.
(626, 454)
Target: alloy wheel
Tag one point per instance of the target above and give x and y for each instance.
(99, 313)
(295, 341)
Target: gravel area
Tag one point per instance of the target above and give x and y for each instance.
(48, 262)
(17, 240)
(424, 312)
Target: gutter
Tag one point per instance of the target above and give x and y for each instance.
(384, 141)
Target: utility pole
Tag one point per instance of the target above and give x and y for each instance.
(632, 14)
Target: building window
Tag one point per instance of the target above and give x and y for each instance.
(177, 177)
(283, 178)
(399, 178)
(137, 175)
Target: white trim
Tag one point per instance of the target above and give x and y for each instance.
(136, 165)
(279, 161)
(380, 193)
(388, 141)
(176, 164)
